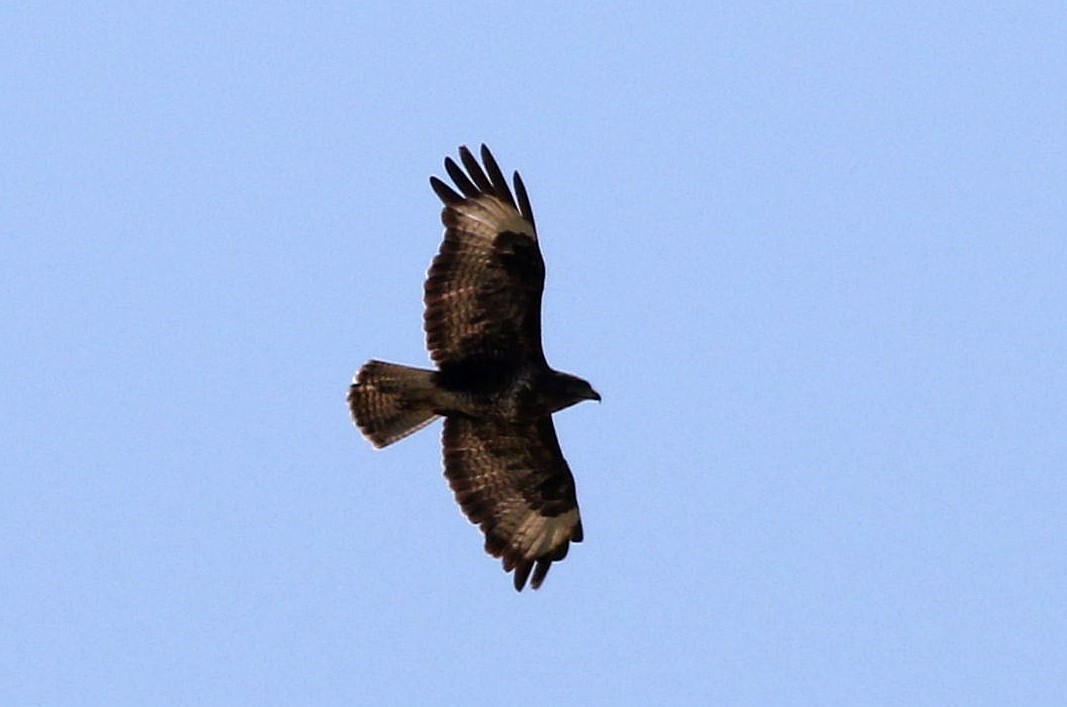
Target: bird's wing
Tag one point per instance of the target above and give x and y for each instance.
(512, 480)
(483, 290)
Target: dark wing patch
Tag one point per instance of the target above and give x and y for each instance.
(483, 290)
(512, 480)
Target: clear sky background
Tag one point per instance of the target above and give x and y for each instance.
(813, 255)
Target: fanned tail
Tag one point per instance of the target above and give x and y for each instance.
(389, 401)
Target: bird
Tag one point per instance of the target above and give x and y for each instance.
(491, 383)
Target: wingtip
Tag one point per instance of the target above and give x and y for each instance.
(522, 573)
(540, 573)
(445, 193)
(523, 569)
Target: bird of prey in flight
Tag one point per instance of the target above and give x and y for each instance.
(492, 383)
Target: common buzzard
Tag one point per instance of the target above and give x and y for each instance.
(492, 385)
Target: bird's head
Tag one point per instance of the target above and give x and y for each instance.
(569, 390)
(588, 393)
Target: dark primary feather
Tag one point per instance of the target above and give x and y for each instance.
(524, 202)
(496, 177)
(495, 184)
(512, 480)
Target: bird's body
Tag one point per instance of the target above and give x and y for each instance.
(493, 384)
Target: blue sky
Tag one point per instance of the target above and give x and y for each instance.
(812, 255)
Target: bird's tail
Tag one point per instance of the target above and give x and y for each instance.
(389, 401)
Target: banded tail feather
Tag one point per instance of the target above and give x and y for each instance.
(389, 402)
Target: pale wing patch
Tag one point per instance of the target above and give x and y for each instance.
(538, 535)
(487, 216)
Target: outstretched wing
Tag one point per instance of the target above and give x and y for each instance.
(483, 290)
(512, 480)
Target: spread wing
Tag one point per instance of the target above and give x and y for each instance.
(483, 290)
(512, 480)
